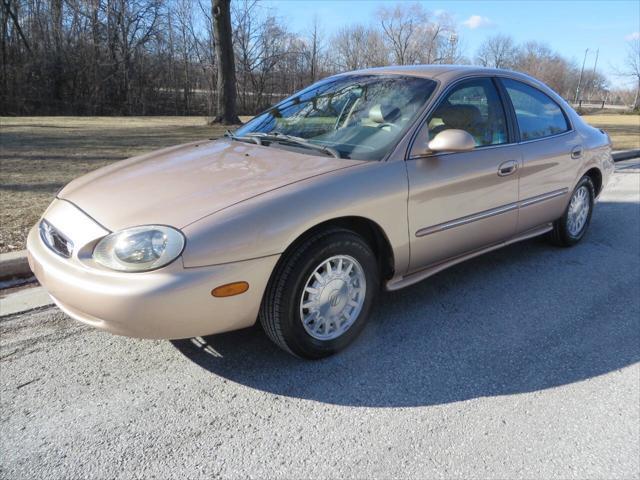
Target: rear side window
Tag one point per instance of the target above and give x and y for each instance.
(538, 116)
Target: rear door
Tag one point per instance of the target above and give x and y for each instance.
(551, 152)
(460, 202)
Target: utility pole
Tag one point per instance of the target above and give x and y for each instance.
(575, 100)
(593, 75)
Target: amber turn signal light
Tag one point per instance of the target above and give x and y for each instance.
(230, 289)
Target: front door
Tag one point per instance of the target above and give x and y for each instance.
(461, 202)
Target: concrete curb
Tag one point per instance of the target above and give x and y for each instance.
(14, 264)
(24, 300)
(625, 155)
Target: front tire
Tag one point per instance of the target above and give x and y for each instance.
(321, 294)
(571, 227)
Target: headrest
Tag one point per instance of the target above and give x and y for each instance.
(383, 113)
(460, 116)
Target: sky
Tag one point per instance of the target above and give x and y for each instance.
(569, 27)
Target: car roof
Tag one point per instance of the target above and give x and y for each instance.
(445, 73)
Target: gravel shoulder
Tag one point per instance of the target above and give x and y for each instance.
(523, 363)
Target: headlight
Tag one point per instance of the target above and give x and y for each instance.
(139, 249)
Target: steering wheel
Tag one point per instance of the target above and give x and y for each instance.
(392, 126)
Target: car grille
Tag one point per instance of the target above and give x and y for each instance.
(55, 240)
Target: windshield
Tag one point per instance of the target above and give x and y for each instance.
(357, 116)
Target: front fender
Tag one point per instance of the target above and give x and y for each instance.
(267, 224)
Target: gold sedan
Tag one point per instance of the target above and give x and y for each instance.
(366, 180)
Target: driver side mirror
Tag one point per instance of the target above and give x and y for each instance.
(452, 140)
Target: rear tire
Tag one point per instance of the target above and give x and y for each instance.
(572, 226)
(320, 295)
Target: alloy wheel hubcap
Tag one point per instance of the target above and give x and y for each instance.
(333, 297)
(578, 211)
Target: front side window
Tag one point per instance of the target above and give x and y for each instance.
(358, 116)
(475, 107)
(538, 116)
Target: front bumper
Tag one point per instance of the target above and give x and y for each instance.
(172, 302)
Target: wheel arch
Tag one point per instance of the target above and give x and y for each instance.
(595, 175)
(368, 229)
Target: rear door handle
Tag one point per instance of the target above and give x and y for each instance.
(576, 152)
(507, 168)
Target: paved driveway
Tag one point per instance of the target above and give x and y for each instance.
(523, 363)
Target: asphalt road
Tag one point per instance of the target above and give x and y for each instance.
(523, 363)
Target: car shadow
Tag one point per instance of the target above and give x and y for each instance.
(525, 318)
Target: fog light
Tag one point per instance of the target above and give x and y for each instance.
(230, 289)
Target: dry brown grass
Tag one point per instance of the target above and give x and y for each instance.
(623, 129)
(39, 155)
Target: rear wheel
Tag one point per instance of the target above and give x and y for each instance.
(320, 295)
(571, 227)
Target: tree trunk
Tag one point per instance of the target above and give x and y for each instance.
(5, 58)
(56, 27)
(226, 86)
(96, 100)
(172, 69)
(14, 18)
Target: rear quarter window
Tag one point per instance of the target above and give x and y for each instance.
(537, 114)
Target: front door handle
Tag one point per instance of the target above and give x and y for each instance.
(507, 168)
(576, 152)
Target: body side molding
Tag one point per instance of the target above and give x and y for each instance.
(490, 213)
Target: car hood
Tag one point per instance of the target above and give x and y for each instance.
(179, 185)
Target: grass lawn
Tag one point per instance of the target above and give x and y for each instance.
(623, 129)
(39, 155)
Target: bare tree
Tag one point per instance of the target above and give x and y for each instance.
(540, 61)
(413, 35)
(8, 11)
(204, 53)
(497, 51)
(314, 47)
(442, 41)
(133, 57)
(403, 29)
(226, 83)
(263, 45)
(358, 47)
(632, 68)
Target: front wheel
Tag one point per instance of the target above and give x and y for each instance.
(571, 227)
(320, 294)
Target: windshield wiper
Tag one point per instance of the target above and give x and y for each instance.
(248, 139)
(283, 137)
